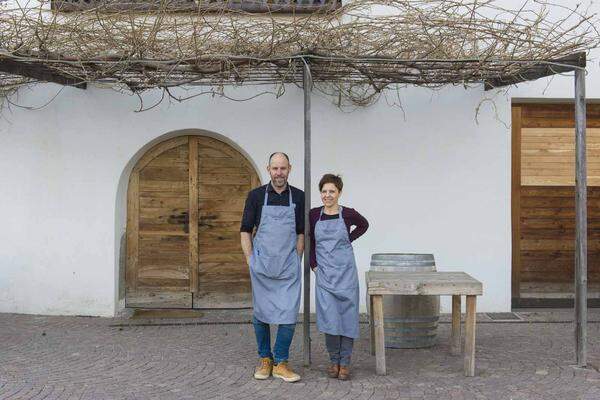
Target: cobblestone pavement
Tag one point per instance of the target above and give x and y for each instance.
(213, 358)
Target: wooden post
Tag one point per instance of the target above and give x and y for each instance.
(580, 221)
(307, 84)
(470, 336)
(371, 325)
(455, 335)
(377, 310)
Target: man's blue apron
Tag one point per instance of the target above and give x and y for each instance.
(275, 265)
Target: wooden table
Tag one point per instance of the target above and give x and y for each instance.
(455, 284)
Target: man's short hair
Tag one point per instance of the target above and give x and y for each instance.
(279, 152)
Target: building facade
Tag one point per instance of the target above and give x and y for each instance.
(432, 175)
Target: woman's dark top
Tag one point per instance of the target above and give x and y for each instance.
(351, 218)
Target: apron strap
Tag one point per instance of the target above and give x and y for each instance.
(339, 213)
(266, 194)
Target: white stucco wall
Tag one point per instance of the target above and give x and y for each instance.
(429, 179)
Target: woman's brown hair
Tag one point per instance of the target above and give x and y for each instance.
(330, 178)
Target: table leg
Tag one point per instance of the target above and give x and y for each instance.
(379, 334)
(455, 335)
(470, 336)
(371, 325)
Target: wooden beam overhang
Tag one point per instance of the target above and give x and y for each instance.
(196, 6)
(39, 72)
(540, 70)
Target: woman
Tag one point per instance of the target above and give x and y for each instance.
(332, 259)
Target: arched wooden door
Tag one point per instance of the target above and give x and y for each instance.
(184, 207)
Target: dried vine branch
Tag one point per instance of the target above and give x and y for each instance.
(356, 51)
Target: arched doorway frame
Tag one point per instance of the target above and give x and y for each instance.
(122, 192)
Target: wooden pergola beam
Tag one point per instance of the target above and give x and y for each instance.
(543, 69)
(178, 6)
(39, 72)
(146, 74)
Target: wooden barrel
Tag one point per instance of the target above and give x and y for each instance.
(409, 321)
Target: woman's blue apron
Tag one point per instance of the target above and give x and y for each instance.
(337, 279)
(275, 266)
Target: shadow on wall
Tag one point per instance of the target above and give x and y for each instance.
(121, 203)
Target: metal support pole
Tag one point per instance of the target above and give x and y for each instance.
(307, 84)
(580, 221)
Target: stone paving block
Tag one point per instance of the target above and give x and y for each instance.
(211, 358)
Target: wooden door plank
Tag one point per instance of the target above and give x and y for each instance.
(193, 212)
(159, 149)
(159, 299)
(133, 216)
(557, 115)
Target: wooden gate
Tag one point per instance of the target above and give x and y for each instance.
(543, 204)
(184, 207)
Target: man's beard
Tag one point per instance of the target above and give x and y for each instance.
(279, 182)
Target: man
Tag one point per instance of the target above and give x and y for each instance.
(277, 211)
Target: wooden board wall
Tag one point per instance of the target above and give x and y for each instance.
(548, 240)
(543, 200)
(185, 202)
(548, 156)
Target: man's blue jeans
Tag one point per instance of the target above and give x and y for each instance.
(281, 351)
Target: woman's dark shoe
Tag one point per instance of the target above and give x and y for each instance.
(344, 373)
(333, 371)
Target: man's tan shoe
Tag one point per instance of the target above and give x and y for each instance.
(264, 369)
(283, 371)
(333, 371)
(344, 374)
